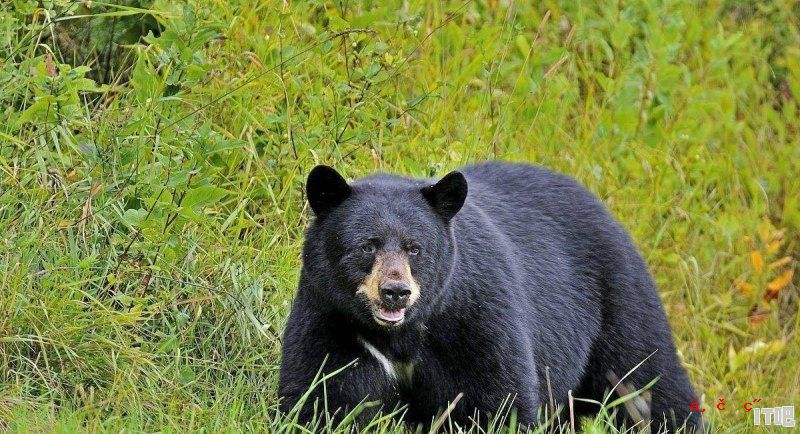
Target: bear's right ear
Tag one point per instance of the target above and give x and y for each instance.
(326, 190)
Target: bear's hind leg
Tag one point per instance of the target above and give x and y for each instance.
(636, 345)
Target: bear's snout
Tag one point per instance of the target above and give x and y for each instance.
(394, 293)
(389, 288)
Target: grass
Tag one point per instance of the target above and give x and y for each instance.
(151, 207)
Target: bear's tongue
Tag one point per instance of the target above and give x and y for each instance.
(391, 315)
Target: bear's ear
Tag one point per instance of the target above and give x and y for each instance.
(448, 195)
(326, 190)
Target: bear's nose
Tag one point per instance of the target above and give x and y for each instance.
(394, 292)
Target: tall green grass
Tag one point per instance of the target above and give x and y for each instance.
(151, 205)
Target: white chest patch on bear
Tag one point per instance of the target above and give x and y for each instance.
(397, 371)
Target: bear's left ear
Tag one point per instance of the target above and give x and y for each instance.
(326, 190)
(448, 195)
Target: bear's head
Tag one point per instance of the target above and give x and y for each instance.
(381, 249)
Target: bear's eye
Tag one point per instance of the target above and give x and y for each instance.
(413, 250)
(369, 247)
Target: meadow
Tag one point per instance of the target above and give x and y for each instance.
(153, 156)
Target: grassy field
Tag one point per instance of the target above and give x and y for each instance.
(153, 154)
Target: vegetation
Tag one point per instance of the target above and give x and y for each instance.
(153, 153)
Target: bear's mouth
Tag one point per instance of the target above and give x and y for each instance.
(386, 316)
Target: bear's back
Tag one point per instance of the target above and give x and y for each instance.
(557, 240)
(511, 191)
(541, 213)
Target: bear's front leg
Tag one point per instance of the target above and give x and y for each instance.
(312, 354)
(490, 372)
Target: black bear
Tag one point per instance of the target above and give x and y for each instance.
(522, 289)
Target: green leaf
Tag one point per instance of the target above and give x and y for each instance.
(38, 111)
(203, 196)
(144, 80)
(522, 44)
(186, 376)
(134, 217)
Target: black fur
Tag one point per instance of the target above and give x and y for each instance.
(531, 272)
